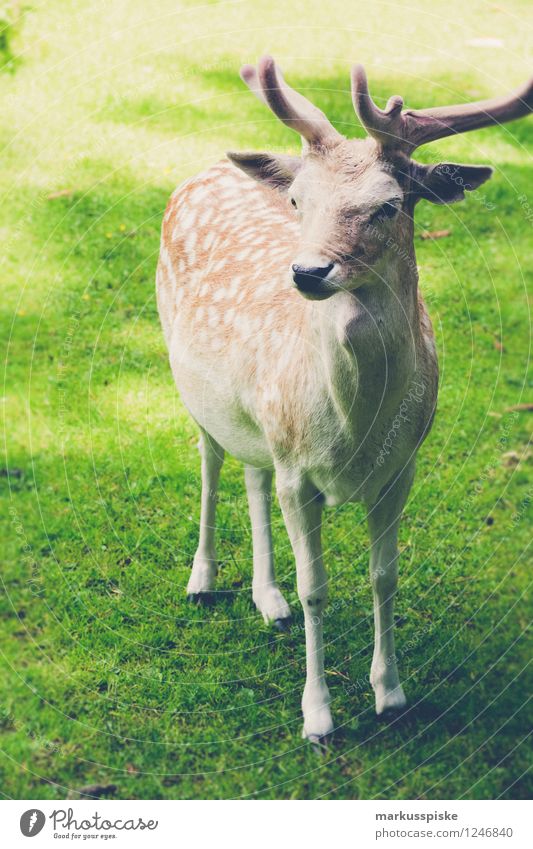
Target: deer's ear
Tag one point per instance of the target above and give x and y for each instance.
(276, 171)
(447, 182)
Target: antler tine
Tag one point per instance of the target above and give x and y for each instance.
(293, 109)
(427, 125)
(383, 124)
(250, 77)
(408, 130)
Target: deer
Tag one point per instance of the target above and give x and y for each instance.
(299, 341)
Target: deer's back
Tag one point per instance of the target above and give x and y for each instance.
(225, 251)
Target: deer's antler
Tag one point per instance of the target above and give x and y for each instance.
(267, 83)
(409, 129)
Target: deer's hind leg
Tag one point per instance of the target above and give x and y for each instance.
(204, 567)
(266, 593)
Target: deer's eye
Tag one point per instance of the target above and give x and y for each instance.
(293, 202)
(386, 210)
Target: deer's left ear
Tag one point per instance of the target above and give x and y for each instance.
(276, 171)
(447, 182)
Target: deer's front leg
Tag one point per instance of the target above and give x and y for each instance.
(302, 511)
(383, 522)
(204, 567)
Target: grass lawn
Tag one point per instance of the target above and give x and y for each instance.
(107, 675)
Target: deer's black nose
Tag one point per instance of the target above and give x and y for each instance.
(307, 279)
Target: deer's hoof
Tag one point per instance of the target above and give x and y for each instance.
(200, 599)
(283, 625)
(390, 703)
(271, 604)
(319, 745)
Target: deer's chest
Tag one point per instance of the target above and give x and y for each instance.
(371, 412)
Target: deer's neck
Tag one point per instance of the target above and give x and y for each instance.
(369, 341)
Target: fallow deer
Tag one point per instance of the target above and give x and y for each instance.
(288, 294)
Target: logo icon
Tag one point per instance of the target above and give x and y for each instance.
(32, 822)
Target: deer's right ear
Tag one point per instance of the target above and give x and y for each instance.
(447, 182)
(276, 171)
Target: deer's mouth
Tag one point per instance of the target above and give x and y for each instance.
(318, 293)
(316, 283)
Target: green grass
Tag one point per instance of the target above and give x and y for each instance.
(10, 19)
(107, 675)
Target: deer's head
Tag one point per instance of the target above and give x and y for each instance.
(355, 198)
